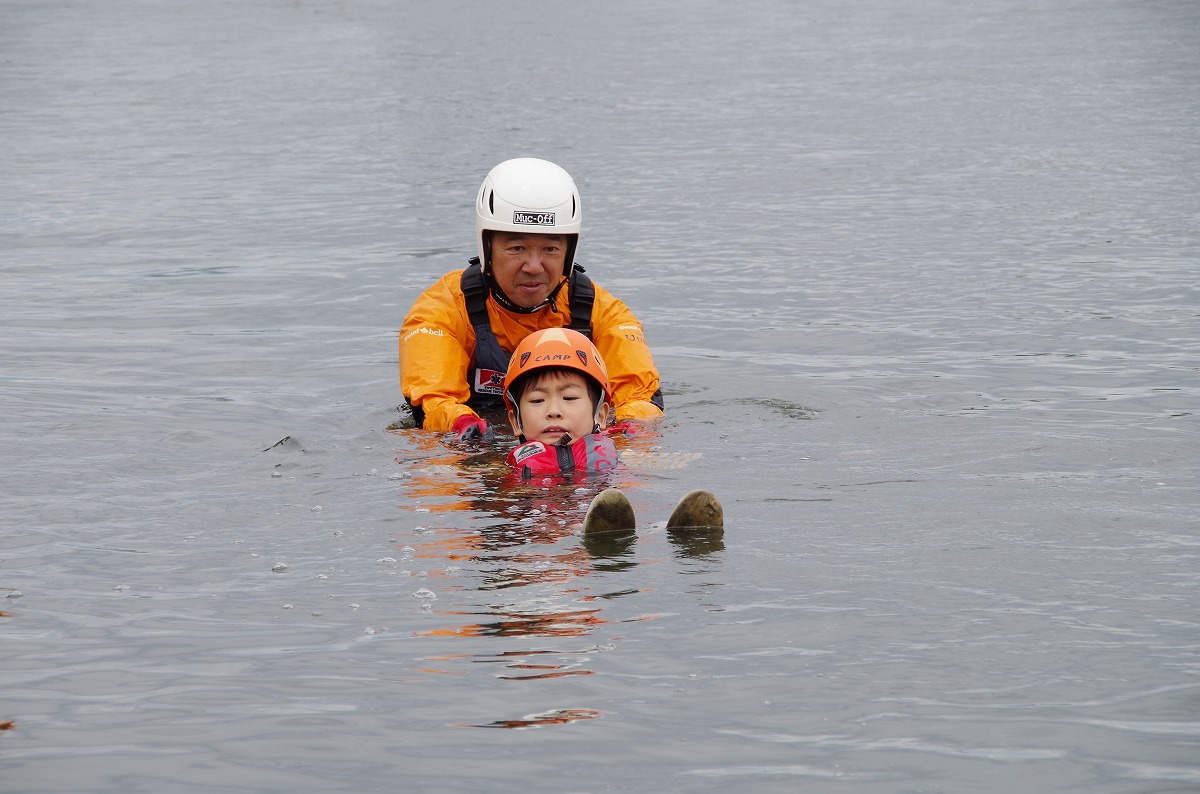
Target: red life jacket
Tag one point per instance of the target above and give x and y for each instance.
(592, 453)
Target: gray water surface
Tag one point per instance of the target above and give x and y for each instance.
(921, 279)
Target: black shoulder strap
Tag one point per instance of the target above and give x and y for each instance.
(488, 360)
(582, 296)
(475, 292)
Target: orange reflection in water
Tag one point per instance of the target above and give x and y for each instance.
(564, 623)
(511, 534)
(522, 669)
(557, 717)
(524, 532)
(442, 477)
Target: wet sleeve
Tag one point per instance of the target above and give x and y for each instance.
(619, 338)
(435, 345)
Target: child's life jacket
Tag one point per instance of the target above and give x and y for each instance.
(592, 453)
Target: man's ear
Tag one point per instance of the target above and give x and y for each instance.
(512, 420)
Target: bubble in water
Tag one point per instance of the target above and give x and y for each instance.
(425, 594)
(422, 509)
(287, 606)
(386, 559)
(316, 509)
(426, 607)
(277, 474)
(408, 552)
(279, 567)
(338, 532)
(320, 576)
(354, 606)
(315, 614)
(121, 588)
(453, 570)
(368, 630)
(373, 473)
(14, 594)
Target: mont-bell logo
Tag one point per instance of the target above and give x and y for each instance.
(524, 358)
(582, 356)
(533, 218)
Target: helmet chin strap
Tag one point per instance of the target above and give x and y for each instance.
(553, 294)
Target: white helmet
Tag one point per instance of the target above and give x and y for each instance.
(528, 195)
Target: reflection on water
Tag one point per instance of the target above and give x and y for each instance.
(559, 717)
(527, 570)
(697, 541)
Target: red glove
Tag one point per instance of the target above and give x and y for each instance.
(627, 427)
(472, 428)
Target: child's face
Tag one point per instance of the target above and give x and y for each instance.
(553, 404)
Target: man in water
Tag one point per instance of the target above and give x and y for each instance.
(456, 340)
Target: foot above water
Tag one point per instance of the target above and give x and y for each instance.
(697, 509)
(610, 511)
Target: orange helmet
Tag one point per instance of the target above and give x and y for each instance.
(556, 347)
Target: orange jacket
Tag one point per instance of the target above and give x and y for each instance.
(437, 340)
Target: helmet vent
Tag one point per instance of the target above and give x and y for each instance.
(492, 202)
(573, 207)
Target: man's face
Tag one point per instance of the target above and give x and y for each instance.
(528, 266)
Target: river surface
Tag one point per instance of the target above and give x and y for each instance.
(922, 282)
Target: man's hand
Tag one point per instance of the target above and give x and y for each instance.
(472, 428)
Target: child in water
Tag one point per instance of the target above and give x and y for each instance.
(558, 398)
